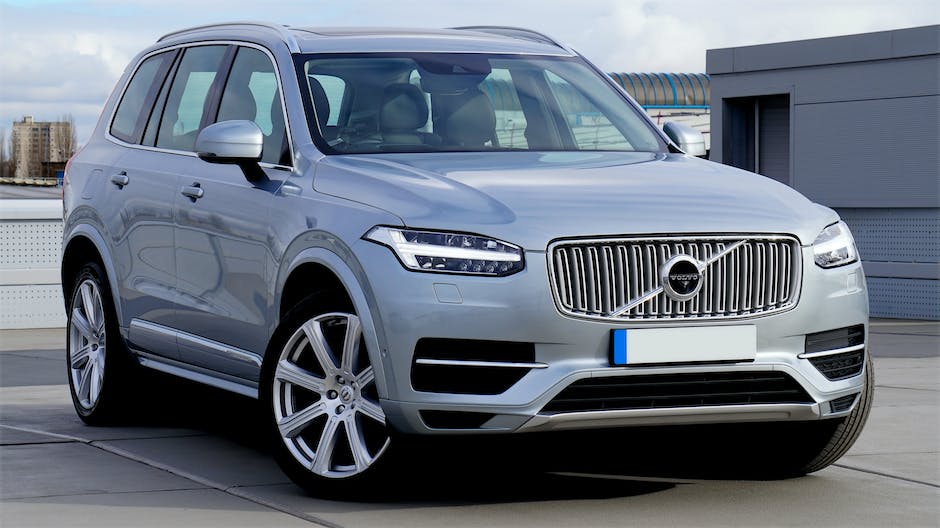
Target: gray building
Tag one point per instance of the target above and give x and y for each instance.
(851, 122)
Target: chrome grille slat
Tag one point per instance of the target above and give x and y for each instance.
(593, 278)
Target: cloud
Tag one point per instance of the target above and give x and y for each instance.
(64, 56)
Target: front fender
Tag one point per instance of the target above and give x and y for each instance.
(356, 284)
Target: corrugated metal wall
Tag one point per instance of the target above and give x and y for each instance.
(864, 113)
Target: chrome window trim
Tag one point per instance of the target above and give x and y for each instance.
(280, 88)
(619, 320)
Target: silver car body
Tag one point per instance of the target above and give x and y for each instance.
(199, 283)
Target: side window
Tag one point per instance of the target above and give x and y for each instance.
(590, 128)
(134, 108)
(251, 93)
(186, 103)
(510, 120)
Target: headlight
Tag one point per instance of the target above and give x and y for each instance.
(449, 252)
(835, 246)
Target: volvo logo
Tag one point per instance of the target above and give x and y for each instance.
(681, 277)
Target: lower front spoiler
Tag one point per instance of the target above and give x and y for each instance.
(673, 416)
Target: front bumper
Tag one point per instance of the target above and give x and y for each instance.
(408, 306)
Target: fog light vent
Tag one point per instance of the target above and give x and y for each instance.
(842, 404)
(840, 366)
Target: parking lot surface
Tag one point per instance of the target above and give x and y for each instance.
(193, 456)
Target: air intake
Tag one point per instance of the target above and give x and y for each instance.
(455, 419)
(678, 390)
(837, 354)
(840, 366)
(842, 404)
(469, 366)
(835, 339)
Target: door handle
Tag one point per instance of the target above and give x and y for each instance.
(194, 192)
(120, 179)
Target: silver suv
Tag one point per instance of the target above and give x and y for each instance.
(389, 232)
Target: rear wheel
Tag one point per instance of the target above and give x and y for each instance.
(318, 389)
(98, 364)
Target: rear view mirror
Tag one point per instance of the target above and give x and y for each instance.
(237, 142)
(689, 140)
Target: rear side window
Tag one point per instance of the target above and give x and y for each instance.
(134, 108)
(186, 103)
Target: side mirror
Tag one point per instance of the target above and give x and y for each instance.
(689, 140)
(237, 142)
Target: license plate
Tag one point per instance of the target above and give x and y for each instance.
(683, 345)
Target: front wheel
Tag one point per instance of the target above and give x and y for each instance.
(318, 390)
(792, 449)
(838, 440)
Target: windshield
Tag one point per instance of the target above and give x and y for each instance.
(459, 102)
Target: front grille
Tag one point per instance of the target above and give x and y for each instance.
(677, 390)
(599, 278)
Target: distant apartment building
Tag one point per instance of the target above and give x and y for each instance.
(39, 149)
(852, 123)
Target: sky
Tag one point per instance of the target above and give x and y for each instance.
(64, 56)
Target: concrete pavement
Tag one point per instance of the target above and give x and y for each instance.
(192, 456)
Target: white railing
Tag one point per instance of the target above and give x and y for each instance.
(30, 255)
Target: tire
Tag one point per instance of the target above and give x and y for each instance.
(793, 449)
(847, 430)
(98, 365)
(327, 429)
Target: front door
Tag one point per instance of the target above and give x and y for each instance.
(223, 257)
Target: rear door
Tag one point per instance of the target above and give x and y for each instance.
(140, 223)
(223, 258)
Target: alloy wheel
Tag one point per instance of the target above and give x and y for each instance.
(325, 401)
(87, 344)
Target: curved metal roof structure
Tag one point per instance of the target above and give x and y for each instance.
(666, 90)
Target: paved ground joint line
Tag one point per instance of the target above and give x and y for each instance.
(888, 475)
(229, 490)
(905, 388)
(88, 493)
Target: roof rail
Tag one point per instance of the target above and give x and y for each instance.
(281, 30)
(519, 33)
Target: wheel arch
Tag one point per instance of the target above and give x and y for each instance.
(303, 277)
(85, 244)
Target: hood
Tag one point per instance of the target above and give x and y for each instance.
(532, 198)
